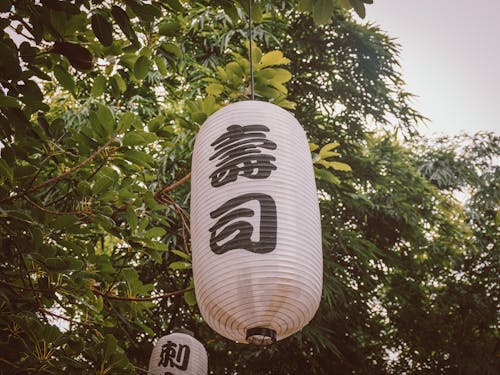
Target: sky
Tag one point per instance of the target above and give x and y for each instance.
(450, 59)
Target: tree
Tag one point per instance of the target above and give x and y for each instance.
(100, 108)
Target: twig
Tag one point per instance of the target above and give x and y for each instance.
(168, 188)
(86, 324)
(61, 176)
(184, 218)
(53, 211)
(159, 194)
(140, 299)
(23, 288)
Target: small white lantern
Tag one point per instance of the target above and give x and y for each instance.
(255, 224)
(178, 354)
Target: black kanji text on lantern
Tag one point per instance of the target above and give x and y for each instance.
(174, 355)
(239, 153)
(240, 232)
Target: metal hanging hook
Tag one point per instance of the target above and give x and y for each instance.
(252, 91)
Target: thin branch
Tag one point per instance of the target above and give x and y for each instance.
(168, 188)
(25, 288)
(22, 34)
(140, 299)
(62, 176)
(159, 194)
(86, 324)
(53, 211)
(185, 227)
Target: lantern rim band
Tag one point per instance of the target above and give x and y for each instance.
(261, 336)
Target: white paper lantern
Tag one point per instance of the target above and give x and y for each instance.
(178, 354)
(255, 224)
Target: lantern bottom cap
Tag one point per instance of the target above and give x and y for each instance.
(261, 336)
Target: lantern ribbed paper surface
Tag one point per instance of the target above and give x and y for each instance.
(178, 354)
(255, 224)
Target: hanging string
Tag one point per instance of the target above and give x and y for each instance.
(252, 93)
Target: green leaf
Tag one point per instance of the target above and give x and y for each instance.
(161, 65)
(83, 187)
(119, 82)
(168, 28)
(98, 86)
(327, 176)
(328, 147)
(305, 5)
(127, 119)
(55, 264)
(123, 22)
(139, 158)
(79, 57)
(148, 331)
(173, 49)
(103, 183)
(9, 101)
(102, 29)
(329, 154)
(151, 203)
(322, 11)
(155, 232)
(214, 89)
(313, 147)
(131, 217)
(273, 58)
(190, 297)
(146, 12)
(256, 12)
(175, 5)
(65, 79)
(358, 7)
(340, 166)
(110, 345)
(132, 139)
(24, 171)
(64, 221)
(6, 171)
(105, 117)
(141, 67)
(73, 264)
(182, 254)
(157, 256)
(256, 54)
(180, 265)
(156, 245)
(281, 75)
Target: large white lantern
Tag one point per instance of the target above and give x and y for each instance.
(178, 354)
(255, 224)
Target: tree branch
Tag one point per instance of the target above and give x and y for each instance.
(139, 299)
(53, 211)
(62, 176)
(168, 188)
(86, 324)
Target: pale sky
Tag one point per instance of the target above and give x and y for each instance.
(450, 58)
